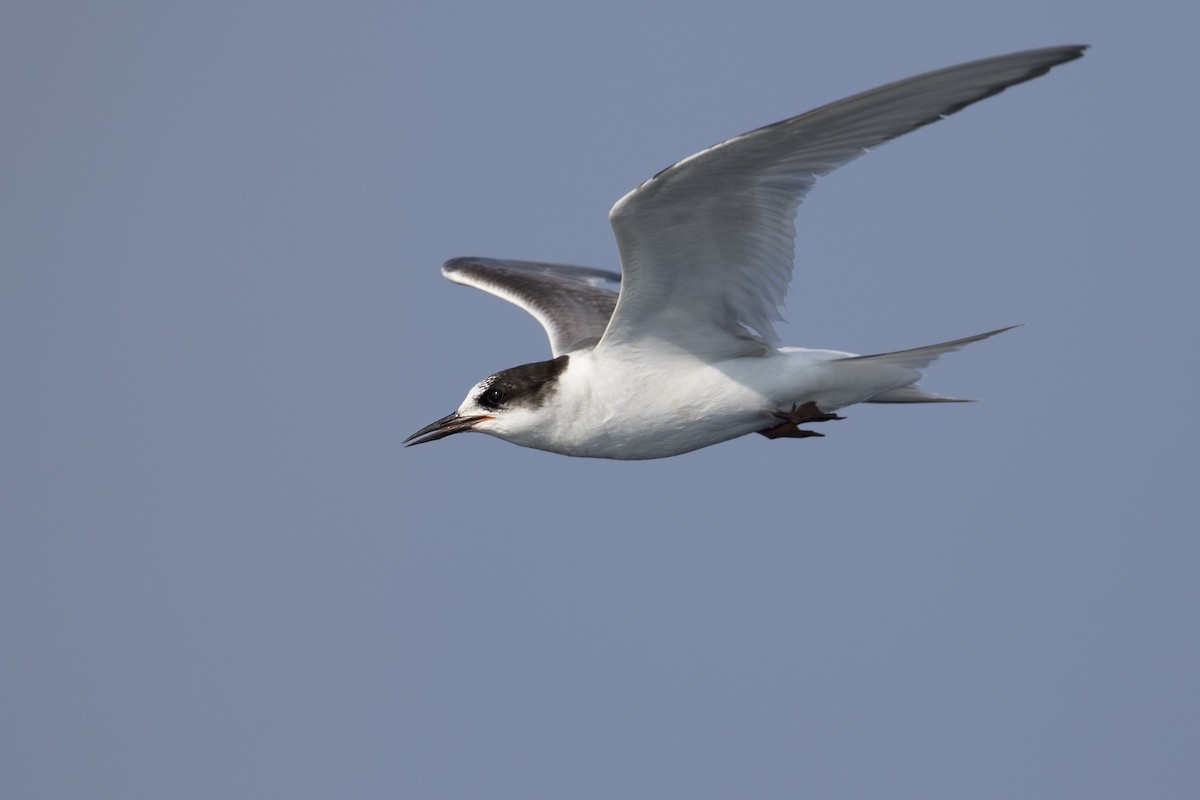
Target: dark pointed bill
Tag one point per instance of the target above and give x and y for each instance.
(452, 423)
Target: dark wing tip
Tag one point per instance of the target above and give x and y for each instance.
(480, 266)
(1062, 54)
(1046, 59)
(531, 267)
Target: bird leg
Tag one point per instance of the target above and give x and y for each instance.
(799, 415)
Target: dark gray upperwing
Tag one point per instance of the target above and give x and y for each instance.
(567, 300)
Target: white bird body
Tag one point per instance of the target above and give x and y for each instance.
(645, 408)
(686, 355)
(663, 403)
(680, 403)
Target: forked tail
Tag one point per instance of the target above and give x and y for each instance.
(919, 358)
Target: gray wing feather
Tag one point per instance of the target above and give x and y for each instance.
(567, 300)
(707, 245)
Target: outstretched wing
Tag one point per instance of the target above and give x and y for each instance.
(707, 245)
(567, 300)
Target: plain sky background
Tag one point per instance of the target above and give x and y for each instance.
(221, 576)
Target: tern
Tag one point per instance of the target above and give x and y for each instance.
(686, 354)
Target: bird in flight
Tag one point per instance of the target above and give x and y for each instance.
(685, 355)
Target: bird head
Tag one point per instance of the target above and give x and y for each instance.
(504, 404)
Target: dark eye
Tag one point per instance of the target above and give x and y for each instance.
(492, 398)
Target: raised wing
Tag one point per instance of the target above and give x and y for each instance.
(707, 245)
(566, 300)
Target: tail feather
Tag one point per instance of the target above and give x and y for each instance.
(919, 358)
(913, 394)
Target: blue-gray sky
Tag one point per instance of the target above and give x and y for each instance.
(221, 313)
